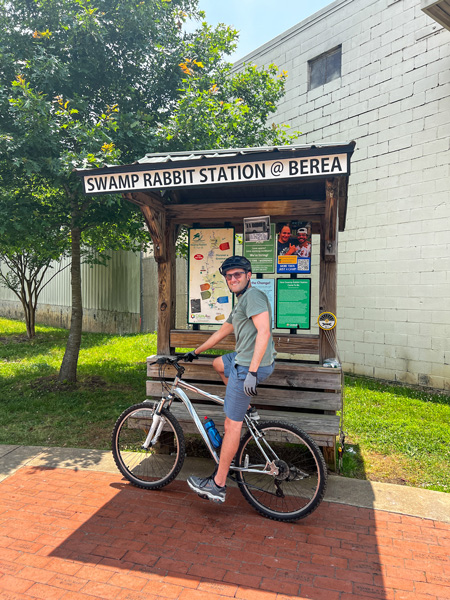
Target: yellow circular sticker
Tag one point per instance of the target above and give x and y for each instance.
(327, 320)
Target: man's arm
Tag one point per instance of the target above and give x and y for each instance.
(216, 337)
(262, 324)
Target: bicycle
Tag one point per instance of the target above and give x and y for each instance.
(279, 469)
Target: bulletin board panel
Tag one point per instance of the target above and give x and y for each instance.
(209, 300)
(293, 303)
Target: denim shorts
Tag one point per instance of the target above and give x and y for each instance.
(236, 401)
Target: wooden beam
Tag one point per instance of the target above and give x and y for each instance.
(331, 220)
(287, 374)
(166, 291)
(156, 223)
(236, 211)
(284, 342)
(342, 210)
(327, 297)
(268, 396)
(148, 198)
(322, 428)
(154, 214)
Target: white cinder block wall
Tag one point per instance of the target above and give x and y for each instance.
(393, 99)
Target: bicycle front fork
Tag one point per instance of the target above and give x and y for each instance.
(155, 431)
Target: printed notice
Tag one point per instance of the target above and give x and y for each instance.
(261, 253)
(293, 303)
(268, 287)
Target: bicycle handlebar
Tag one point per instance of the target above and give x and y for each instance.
(167, 360)
(170, 360)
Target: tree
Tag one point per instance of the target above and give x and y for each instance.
(98, 81)
(48, 140)
(226, 110)
(29, 246)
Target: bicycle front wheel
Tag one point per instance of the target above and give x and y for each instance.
(298, 487)
(154, 467)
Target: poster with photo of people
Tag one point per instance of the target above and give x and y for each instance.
(294, 247)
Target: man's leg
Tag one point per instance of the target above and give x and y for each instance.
(213, 487)
(219, 367)
(229, 448)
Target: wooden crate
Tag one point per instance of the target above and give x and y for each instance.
(307, 395)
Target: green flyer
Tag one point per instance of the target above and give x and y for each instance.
(293, 303)
(261, 253)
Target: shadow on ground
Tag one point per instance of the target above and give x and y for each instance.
(106, 532)
(93, 533)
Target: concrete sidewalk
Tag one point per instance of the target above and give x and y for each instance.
(404, 500)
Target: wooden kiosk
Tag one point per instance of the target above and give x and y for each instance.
(221, 188)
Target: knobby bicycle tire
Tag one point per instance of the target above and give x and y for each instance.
(300, 485)
(155, 467)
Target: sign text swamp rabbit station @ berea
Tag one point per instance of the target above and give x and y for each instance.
(130, 180)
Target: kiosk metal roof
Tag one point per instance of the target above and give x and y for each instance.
(182, 183)
(163, 157)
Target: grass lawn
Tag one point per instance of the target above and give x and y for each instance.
(35, 411)
(394, 434)
(397, 434)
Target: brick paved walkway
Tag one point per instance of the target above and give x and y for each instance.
(76, 535)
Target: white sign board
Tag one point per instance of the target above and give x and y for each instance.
(286, 168)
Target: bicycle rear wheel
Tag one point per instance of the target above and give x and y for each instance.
(298, 488)
(151, 468)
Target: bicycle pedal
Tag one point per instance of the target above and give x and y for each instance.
(203, 496)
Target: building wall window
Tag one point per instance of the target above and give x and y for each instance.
(325, 68)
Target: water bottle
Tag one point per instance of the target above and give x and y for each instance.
(212, 432)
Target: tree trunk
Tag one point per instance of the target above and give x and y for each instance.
(68, 371)
(29, 319)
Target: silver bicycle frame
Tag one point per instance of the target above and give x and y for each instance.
(176, 390)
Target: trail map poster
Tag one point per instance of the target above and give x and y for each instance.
(293, 303)
(210, 301)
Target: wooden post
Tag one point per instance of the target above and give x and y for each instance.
(328, 263)
(166, 290)
(331, 219)
(328, 283)
(163, 233)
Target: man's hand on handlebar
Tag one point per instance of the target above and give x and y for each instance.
(189, 356)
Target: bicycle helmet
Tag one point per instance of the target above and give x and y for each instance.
(235, 262)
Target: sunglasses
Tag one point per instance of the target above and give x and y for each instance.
(238, 275)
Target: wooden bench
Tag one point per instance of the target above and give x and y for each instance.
(307, 395)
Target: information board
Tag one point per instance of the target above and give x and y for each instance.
(268, 287)
(209, 300)
(294, 247)
(293, 303)
(262, 253)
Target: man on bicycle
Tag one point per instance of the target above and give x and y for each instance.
(242, 370)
